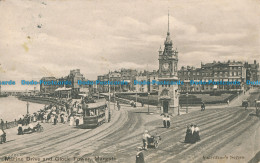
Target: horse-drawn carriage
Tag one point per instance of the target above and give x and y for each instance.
(153, 141)
(29, 129)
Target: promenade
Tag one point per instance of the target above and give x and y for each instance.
(220, 128)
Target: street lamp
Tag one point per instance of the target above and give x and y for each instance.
(27, 107)
(136, 97)
(178, 95)
(187, 102)
(148, 103)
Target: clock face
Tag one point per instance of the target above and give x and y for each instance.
(165, 66)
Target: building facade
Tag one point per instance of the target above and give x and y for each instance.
(221, 72)
(48, 89)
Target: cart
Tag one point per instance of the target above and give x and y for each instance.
(245, 103)
(154, 141)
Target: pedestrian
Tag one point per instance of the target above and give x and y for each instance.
(2, 136)
(196, 133)
(71, 120)
(52, 118)
(145, 139)
(228, 102)
(139, 155)
(192, 139)
(202, 106)
(118, 106)
(20, 129)
(2, 124)
(65, 119)
(109, 116)
(164, 121)
(77, 121)
(188, 135)
(55, 119)
(62, 118)
(168, 121)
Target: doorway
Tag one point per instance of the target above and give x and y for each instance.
(165, 106)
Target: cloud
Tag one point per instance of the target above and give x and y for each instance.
(97, 37)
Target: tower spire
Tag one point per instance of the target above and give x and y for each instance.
(168, 21)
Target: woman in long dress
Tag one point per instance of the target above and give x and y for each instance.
(193, 135)
(196, 133)
(71, 121)
(188, 135)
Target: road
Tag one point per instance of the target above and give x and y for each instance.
(222, 131)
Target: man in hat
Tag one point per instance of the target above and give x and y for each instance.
(139, 155)
(145, 139)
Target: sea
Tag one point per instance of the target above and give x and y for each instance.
(11, 108)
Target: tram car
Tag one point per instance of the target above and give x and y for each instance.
(94, 115)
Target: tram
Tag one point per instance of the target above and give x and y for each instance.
(94, 115)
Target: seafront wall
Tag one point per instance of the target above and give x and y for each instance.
(42, 100)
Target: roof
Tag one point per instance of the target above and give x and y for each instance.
(96, 105)
(63, 89)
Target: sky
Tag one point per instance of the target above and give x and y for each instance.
(51, 37)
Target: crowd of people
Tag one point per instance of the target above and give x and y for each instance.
(192, 134)
(71, 113)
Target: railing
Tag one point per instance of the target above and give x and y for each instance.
(8, 125)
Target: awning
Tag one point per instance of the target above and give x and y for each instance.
(63, 89)
(165, 98)
(84, 95)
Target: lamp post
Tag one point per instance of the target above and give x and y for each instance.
(178, 95)
(136, 97)
(148, 103)
(187, 102)
(27, 107)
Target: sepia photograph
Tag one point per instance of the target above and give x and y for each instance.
(130, 81)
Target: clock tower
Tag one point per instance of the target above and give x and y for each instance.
(168, 76)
